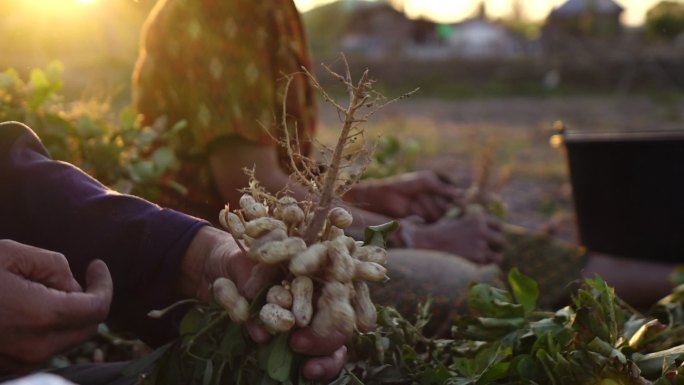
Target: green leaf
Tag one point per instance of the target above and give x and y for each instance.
(9, 78)
(146, 137)
(208, 373)
(233, 343)
(171, 369)
(605, 349)
(267, 380)
(525, 289)
(493, 302)
(525, 366)
(506, 323)
(179, 188)
(163, 159)
(218, 374)
(280, 358)
(179, 126)
(438, 375)
(465, 366)
(128, 117)
(494, 373)
(54, 71)
(142, 171)
(137, 367)
(343, 379)
(191, 322)
(378, 235)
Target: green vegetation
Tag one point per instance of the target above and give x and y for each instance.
(504, 340)
(665, 20)
(111, 146)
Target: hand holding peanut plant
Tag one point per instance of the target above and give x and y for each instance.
(335, 264)
(319, 297)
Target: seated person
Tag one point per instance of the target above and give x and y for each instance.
(221, 66)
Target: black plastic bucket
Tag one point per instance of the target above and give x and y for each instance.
(628, 190)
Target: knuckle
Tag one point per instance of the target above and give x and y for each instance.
(57, 258)
(6, 243)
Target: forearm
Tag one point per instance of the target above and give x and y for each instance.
(57, 207)
(640, 283)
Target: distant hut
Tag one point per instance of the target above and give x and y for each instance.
(586, 18)
(378, 29)
(478, 37)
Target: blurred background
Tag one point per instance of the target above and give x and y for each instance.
(494, 76)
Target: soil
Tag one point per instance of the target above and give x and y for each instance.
(530, 174)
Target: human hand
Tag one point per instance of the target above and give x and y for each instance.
(328, 354)
(475, 236)
(43, 310)
(420, 193)
(213, 254)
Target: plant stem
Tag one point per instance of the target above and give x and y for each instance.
(358, 98)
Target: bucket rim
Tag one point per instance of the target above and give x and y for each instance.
(573, 136)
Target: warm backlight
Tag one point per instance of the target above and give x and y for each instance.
(56, 7)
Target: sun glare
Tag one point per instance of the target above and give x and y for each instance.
(56, 7)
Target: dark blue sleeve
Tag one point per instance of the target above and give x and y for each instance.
(55, 206)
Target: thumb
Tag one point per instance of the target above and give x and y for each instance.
(91, 306)
(99, 280)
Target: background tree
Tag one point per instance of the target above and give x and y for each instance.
(665, 20)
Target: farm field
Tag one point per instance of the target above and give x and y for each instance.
(530, 174)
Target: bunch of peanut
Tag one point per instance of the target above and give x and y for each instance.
(335, 267)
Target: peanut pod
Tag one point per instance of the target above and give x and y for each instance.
(334, 232)
(271, 236)
(369, 271)
(310, 260)
(335, 298)
(258, 227)
(341, 267)
(278, 251)
(251, 208)
(323, 322)
(302, 293)
(280, 296)
(370, 253)
(349, 242)
(227, 295)
(340, 217)
(232, 223)
(366, 316)
(292, 214)
(276, 319)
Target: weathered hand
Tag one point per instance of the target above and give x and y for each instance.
(327, 354)
(475, 236)
(223, 258)
(214, 253)
(420, 193)
(43, 310)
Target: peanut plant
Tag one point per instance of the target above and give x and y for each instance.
(323, 284)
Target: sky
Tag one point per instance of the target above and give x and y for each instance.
(455, 10)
